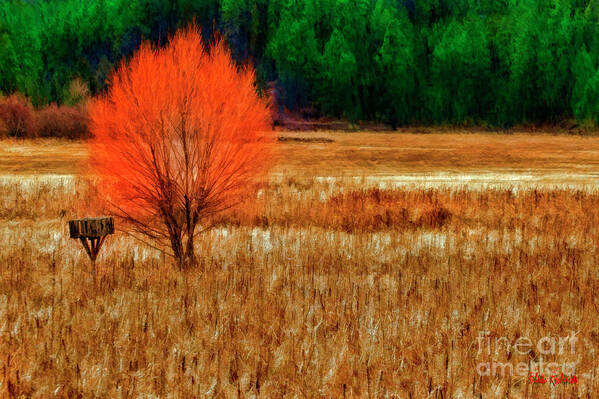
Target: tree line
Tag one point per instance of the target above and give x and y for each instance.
(497, 62)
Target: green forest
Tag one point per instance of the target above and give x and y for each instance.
(402, 62)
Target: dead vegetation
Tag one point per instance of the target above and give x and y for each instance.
(314, 289)
(368, 154)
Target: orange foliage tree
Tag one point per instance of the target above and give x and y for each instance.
(180, 135)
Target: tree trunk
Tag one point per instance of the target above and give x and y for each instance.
(189, 257)
(184, 252)
(177, 247)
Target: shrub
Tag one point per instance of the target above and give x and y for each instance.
(16, 117)
(61, 121)
(77, 92)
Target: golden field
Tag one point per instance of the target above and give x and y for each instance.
(368, 266)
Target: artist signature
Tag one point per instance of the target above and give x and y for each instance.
(555, 379)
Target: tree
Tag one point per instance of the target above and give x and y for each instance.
(179, 136)
(460, 67)
(396, 60)
(293, 49)
(340, 69)
(586, 88)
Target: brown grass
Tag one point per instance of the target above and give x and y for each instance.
(316, 288)
(41, 157)
(365, 154)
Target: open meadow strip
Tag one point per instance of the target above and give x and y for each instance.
(316, 288)
(474, 160)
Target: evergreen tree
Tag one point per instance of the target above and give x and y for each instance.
(340, 69)
(461, 62)
(399, 61)
(396, 61)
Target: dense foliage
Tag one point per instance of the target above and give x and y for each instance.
(400, 61)
(179, 136)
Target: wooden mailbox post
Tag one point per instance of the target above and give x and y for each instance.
(93, 230)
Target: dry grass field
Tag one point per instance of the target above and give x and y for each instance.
(375, 265)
